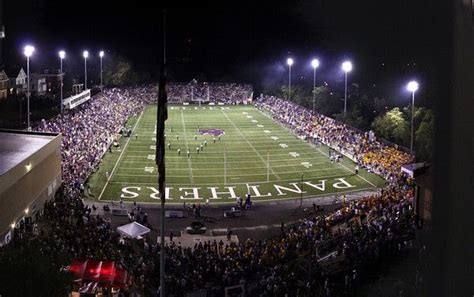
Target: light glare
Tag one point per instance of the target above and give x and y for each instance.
(412, 86)
(101, 54)
(315, 63)
(85, 54)
(347, 66)
(28, 51)
(289, 61)
(62, 54)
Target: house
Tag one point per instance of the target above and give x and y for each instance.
(38, 84)
(18, 82)
(4, 84)
(53, 80)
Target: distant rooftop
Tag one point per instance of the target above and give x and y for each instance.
(16, 146)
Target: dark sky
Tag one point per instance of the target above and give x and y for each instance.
(245, 41)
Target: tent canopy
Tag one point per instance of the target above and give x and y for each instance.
(133, 230)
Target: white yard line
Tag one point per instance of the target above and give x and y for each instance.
(253, 174)
(190, 165)
(121, 154)
(258, 154)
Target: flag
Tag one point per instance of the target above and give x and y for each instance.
(162, 116)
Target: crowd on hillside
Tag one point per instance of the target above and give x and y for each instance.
(227, 93)
(362, 147)
(335, 246)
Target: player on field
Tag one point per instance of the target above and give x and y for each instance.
(177, 136)
(169, 145)
(195, 137)
(205, 142)
(201, 147)
(197, 150)
(357, 169)
(188, 153)
(179, 152)
(214, 139)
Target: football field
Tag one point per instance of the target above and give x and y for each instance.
(243, 151)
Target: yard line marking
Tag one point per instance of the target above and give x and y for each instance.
(239, 168)
(187, 148)
(120, 157)
(258, 154)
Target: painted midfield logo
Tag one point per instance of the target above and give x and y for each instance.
(211, 131)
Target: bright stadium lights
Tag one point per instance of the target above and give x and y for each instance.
(289, 61)
(62, 55)
(85, 54)
(347, 67)
(101, 55)
(314, 64)
(412, 86)
(28, 51)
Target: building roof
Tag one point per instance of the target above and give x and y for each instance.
(3, 76)
(16, 146)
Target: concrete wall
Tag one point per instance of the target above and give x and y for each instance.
(22, 189)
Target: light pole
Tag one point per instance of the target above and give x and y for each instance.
(412, 87)
(28, 51)
(346, 66)
(289, 61)
(101, 55)
(315, 64)
(62, 55)
(85, 54)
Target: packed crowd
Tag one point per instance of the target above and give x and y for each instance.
(364, 148)
(227, 93)
(335, 246)
(88, 130)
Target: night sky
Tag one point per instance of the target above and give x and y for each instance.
(388, 41)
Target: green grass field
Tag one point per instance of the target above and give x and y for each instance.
(253, 155)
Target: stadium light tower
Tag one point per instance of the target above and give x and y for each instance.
(28, 51)
(347, 67)
(85, 54)
(315, 64)
(289, 61)
(101, 55)
(62, 55)
(412, 87)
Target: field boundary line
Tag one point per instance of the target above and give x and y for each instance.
(120, 157)
(348, 169)
(320, 151)
(331, 194)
